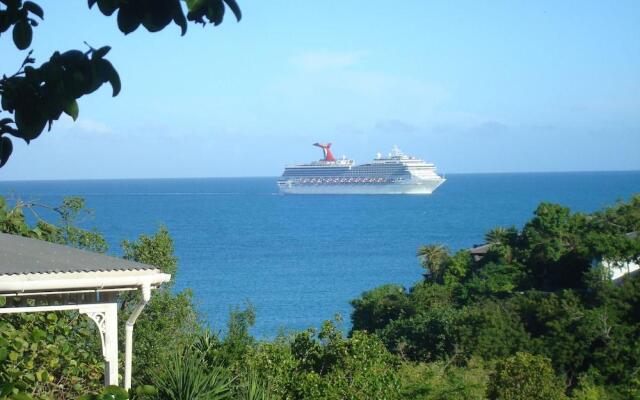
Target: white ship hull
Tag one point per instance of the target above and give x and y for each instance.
(421, 188)
(395, 174)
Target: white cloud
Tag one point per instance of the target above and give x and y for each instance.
(325, 60)
(82, 125)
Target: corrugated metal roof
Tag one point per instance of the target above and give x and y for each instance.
(21, 255)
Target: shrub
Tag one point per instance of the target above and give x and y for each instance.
(525, 376)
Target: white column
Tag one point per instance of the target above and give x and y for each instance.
(105, 316)
(111, 345)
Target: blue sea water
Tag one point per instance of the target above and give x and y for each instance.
(300, 259)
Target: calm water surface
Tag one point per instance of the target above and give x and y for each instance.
(300, 259)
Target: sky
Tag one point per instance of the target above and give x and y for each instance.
(473, 86)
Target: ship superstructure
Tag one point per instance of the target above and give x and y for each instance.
(396, 173)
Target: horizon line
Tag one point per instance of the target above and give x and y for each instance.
(276, 176)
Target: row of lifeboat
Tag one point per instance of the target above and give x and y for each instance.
(338, 181)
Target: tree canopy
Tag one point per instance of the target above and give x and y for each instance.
(538, 302)
(35, 96)
(535, 316)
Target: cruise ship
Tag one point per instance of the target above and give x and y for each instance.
(396, 173)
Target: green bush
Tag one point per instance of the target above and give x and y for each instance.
(444, 381)
(525, 377)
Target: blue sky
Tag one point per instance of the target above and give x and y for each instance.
(473, 86)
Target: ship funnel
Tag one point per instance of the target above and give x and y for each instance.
(326, 150)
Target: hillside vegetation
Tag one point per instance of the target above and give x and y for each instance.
(534, 315)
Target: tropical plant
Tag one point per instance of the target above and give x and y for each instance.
(253, 388)
(186, 377)
(434, 259)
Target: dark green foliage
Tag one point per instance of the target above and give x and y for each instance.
(378, 307)
(491, 330)
(156, 15)
(494, 280)
(37, 96)
(21, 16)
(429, 335)
(542, 290)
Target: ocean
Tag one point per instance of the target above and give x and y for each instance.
(300, 259)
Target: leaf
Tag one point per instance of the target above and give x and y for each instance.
(21, 396)
(33, 8)
(5, 389)
(128, 21)
(195, 5)
(108, 73)
(101, 52)
(180, 19)
(3, 353)
(38, 334)
(196, 10)
(6, 148)
(146, 389)
(30, 124)
(5, 22)
(90, 3)
(158, 16)
(107, 7)
(22, 35)
(115, 392)
(215, 11)
(13, 356)
(72, 110)
(234, 8)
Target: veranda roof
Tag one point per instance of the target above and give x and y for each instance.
(31, 265)
(42, 276)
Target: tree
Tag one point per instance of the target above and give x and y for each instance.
(37, 96)
(329, 366)
(537, 290)
(502, 241)
(525, 377)
(377, 307)
(169, 321)
(434, 259)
